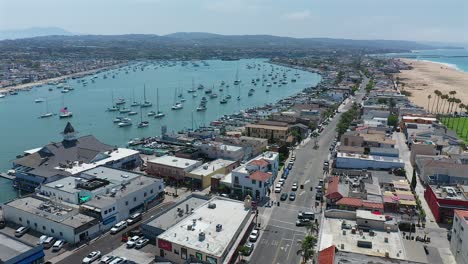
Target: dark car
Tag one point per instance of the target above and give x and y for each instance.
(292, 196)
(283, 197)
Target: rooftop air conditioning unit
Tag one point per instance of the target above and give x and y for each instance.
(219, 227)
(201, 236)
(212, 205)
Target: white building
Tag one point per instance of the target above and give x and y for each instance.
(108, 194)
(171, 167)
(361, 161)
(256, 176)
(459, 241)
(51, 218)
(217, 150)
(211, 233)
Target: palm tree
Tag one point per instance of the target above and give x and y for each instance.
(428, 102)
(438, 94)
(307, 248)
(445, 97)
(455, 103)
(464, 120)
(460, 107)
(452, 93)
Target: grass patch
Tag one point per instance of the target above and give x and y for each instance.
(459, 125)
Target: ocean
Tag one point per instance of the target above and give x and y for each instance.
(22, 128)
(455, 58)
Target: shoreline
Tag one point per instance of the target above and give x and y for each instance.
(427, 76)
(82, 74)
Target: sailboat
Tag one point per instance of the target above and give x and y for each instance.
(201, 107)
(145, 103)
(47, 113)
(135, 103)
(237, 81)
(159, 114)
(142, 123)
(64, 113)
(176, 105)
(192, 90)
(125, 122)
(113, 108)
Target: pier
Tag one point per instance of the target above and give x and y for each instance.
(7, 176)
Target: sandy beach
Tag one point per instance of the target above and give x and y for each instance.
(426, 77)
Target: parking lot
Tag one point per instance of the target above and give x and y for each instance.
(144, 255)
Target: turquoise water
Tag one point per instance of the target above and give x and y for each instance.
(457, 58)
(22, 129)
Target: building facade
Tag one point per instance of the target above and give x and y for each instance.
(171, 168)
(459, 240)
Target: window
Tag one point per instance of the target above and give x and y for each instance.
(43, 228)
(52, 230)
(260, 184)
(35, 225)
(160, 187)
(21, 220)
(254, 182)
(176, 251)
(105, 212)
(61, 234)
(144, 195)
(152, 189)
(199, 256)
(211, 260)
(126, 203)
(113, 208)
(183, 253)
(27, 221)
(134, 199)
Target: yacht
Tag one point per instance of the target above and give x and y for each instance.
(223, 101)
(124, 110)
(213, 95)
(200, 87)
(113, 109)
(45, 115)
(132, 113)
(158, 114)
(125, 122)
(65, 91)
(2, 95)
(177, 106)
(201, 107)
(145, 103)
(39, 100)
(120, 101)
(143, 124)
(118, 119)
(151, 113)
(208, 91)
(66, 114)
(228, 96)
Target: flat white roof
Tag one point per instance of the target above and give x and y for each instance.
(114, 155)
(369, 215)
(31, 151)
(210, 167)
(115, 176)
(368, 157)
(174, 161)
(228, 213)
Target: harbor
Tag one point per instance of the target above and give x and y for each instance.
(206, 90)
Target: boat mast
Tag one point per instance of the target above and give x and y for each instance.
(157, 99)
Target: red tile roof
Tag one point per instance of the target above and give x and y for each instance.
(327, 255)
(260, 176)
(350, 201)
(259, 162)
(462, 214)
(332, 191)
(372, 205)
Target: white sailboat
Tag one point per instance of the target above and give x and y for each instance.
(113, 108)
(145, 103)
(47, 113)
(134, 103)
(142, 123)
(176, 105)
(159, 114)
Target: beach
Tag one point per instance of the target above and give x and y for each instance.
(426, 77)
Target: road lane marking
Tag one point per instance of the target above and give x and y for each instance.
(289, 223)
(301, 193)
(290, 229)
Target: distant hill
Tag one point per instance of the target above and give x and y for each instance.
(33, 32)
(192, 35)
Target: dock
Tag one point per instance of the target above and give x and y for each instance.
(7, 176)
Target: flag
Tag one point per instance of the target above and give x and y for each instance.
(64, 110)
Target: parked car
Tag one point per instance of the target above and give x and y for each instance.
(41, 240)
(292, 196)
(277, 189)
(118, 260)
(91, 257)
(118, 227)
(134, 218)
(294, 186)
(254, 235)
(106, 259)
(281, 181)
(58, 245)
(132, 241)
(284, 196)
(21, 231)
(302, 222)
(141, 243)
(250, 248)
(2, 223)
(48, 242)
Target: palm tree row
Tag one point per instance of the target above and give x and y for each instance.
(446, 106)
(307, 250)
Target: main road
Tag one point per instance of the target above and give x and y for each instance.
(279, 235)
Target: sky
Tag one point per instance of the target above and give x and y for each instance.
(420, 20)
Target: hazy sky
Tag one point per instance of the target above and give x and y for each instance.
(437, 20)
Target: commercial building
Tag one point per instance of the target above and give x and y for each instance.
(256, 176)
(14, 251)
(270, 132)
(442, 170)
(171, 167)
(211, 233)
(252, 146)
(332, 255)
(52, 218)
(443, 200)
(217, 150)
(69, 157)
(360, 161)
(200, 177)
(459, 240)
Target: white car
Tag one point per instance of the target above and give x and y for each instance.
(277, 189)
(118, 260)
(253, 235)
(118, 227)
(132, 241)
(134, 218)
(92, 257)
(141, 243)
(42, 239)
(294, 186)
(21, 231)
(58, 245)
(106, 259)
(281, 181)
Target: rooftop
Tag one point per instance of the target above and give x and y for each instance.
(449, 192)
(462, 214)
(210, 167)
(11, 248)
(199, 230)
(175, 162)
(368, 157)
(115, 176)
(281, 128)
(59, 213)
